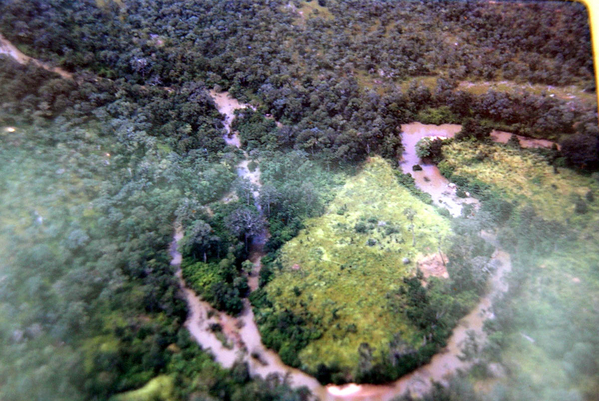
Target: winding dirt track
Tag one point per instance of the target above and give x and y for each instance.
(10, 50)
(242, 332)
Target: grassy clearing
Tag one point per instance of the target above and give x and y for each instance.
(567, 93)
(313, 10)
(430, 82)
(159, 388)
(106, 3)
(342, 265)
(524, 177)
(370, 82)
(550, 345)
(308, 10)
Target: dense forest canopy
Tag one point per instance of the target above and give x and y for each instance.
(96, 169)
(311, 71)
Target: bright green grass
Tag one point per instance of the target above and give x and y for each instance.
(339, 272)
(159, 388)
(526, 178)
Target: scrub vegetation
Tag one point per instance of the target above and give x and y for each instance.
(523, 177)
(89, 304)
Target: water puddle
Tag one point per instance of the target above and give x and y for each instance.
(525, 142)
(430, 179)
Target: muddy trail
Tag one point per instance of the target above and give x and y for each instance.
(10, 50)
(241, 335)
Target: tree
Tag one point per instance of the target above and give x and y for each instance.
(246, 222)
(582, 151)
(473, 128)
(514, 142)
(244, 189)
(440, 240)
(481, 268)
(429, 148)
(470, 347)
(365, 364)
(247, 266)
(309, 196)
(200, 237)
(392, 147)
(269, 195)
(580, 206)
(590, 197)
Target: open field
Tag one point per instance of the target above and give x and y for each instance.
(524, 177)
(568, 93)
(308, 10)
(341, 267)
(556, 260)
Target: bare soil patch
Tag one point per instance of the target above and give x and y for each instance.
(433, 265)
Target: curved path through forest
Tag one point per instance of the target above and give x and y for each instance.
(10, 50)
(243, 333)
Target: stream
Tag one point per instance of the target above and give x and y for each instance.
(241, 332)
(243, 335)
(430, 179)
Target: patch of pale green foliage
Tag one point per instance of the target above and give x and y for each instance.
(561, 282)
(343, 264)
(159, 388)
